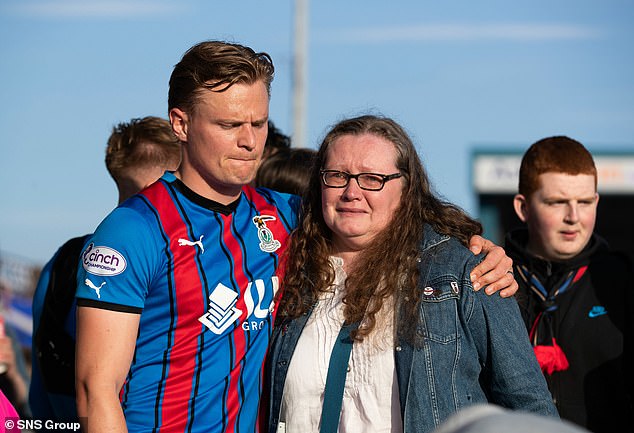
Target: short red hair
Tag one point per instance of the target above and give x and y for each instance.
(559, 154)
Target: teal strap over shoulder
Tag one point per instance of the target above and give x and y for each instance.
(336, 380)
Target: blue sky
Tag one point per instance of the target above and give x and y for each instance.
(456, 74)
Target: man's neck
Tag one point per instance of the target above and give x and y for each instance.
(198, 185)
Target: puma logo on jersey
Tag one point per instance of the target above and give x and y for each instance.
(95, 288)
(186, 242)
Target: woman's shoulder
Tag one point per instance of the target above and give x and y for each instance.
(447, 249)
(445, 269)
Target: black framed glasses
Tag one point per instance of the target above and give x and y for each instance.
(367, 181)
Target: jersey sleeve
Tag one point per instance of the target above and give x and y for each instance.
(118, 262)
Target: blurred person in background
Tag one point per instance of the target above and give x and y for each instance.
(286, 171)
(14, 375)
(276, 141)
(489, 418)
(138, 152)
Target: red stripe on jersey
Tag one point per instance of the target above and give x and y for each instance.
(239, 339)
(188, 299)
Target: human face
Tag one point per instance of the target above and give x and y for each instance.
(223, 140)
(355, 216)
(560, 215)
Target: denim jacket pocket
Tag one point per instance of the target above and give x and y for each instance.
(439, 310)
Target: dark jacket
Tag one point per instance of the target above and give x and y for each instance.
(52, 388)
(473, 347)
(592, 321)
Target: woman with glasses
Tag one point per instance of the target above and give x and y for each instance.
(379, 328)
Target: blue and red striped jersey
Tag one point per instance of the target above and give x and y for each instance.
(203, 277)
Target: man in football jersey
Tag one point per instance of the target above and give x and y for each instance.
(176, 287)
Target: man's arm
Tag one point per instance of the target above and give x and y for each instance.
(105, 346)
(495, 271)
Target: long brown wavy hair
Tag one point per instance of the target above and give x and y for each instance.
(389, 264)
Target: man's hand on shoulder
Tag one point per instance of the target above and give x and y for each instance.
(495, 272)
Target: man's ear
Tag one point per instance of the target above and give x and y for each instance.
(179, 119)
(521, 207)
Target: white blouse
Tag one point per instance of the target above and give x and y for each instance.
(370, 399)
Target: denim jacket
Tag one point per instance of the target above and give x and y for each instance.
(473, 348)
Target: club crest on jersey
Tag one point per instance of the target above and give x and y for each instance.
(267, 243)
(103, 260)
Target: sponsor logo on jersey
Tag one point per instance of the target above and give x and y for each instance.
(97, 289)
(222, 311)
(597, 311)
(103, 260)
(267, 243)
(199, 243)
